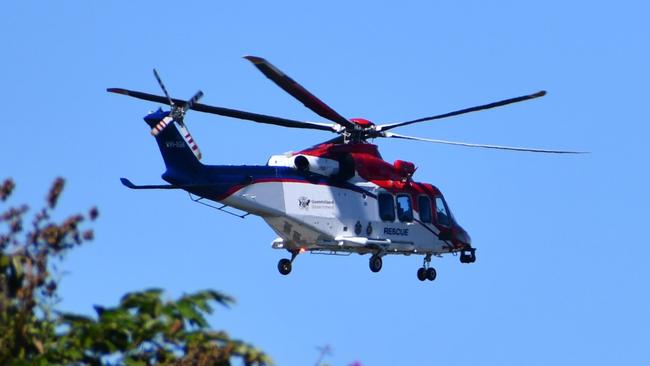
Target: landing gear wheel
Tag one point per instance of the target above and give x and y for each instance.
(422, 274)
(426, 272)
(375, 263)
(284, 266)
(430, 274)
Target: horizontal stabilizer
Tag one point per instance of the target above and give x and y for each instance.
(127, 183)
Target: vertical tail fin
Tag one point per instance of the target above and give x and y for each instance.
(180, 152)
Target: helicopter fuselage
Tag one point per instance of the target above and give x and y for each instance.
(334, 198)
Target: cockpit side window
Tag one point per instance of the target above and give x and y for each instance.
(442, 214)
(424, 205)
(386, 207)
(404, 208)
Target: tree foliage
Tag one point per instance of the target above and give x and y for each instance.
(143, 329)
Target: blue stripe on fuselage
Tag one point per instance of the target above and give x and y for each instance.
(219, 181)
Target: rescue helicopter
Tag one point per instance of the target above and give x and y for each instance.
(338, 197)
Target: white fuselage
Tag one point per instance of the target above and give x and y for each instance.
(315, 217)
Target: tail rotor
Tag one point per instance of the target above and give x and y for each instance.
(177, 114)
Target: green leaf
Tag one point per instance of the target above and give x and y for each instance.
(137, 299)
(201, 299)
(18, 267)
(131, 362)
(19, 362)
(189, 313)
(75, 319)
(4, 261)
(144, 302)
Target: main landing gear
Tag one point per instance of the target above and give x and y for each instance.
(426, 272)
(375, 263)
(284, 265)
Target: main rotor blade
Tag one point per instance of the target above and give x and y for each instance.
(261, 118)
(298, 91)
(500, 103)
(527, 149)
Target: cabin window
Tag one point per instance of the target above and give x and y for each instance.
(386, 207)
(424, 205)
(404, 208)
(442, 214)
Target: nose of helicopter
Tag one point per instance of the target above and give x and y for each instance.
(462, 237)
(457, 236)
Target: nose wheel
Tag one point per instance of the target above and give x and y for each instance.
(426, 272)
(284, 265)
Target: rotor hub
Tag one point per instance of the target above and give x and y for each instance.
(361, 122)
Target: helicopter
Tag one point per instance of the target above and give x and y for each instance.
(338, 197)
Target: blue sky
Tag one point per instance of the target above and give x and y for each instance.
(562, 271)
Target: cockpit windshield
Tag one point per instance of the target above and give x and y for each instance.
(443, 216)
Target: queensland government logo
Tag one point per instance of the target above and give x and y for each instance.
(303, 202)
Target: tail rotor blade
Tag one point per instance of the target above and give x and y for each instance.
(162, 86)
(190, 141)
(161, 126)
(193, 100)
